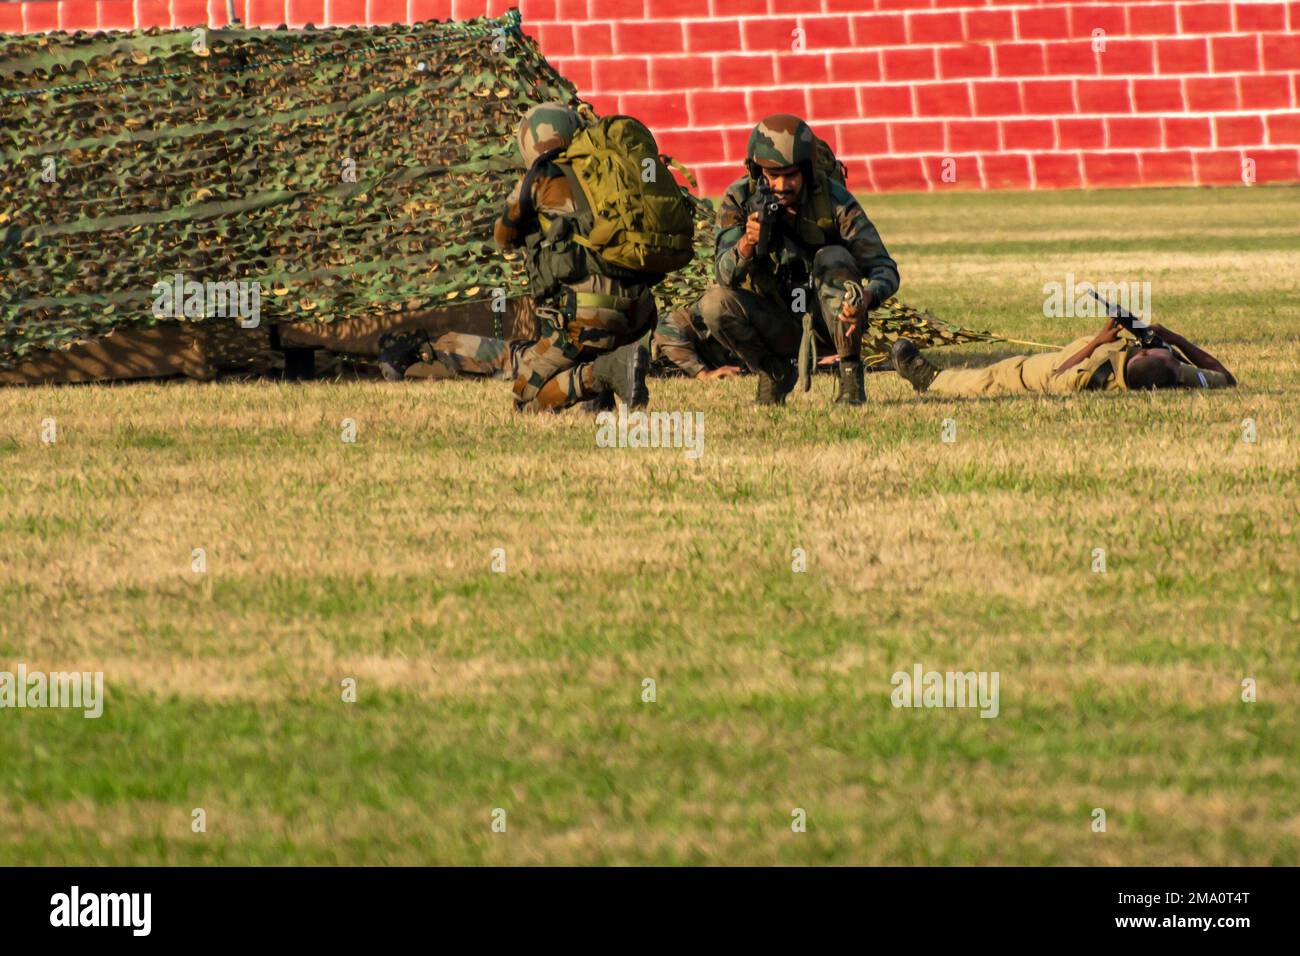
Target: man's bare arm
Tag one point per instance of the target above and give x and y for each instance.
(1108, 334)
(1195, 354)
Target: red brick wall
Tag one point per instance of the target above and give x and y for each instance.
(1002, 93)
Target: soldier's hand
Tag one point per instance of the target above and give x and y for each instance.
(1110, 333)
(753, 230)
(854, 308)
(723, 371)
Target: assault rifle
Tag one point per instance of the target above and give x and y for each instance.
(769, 211)
(1140, 328)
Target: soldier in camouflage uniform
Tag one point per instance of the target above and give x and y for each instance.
(590, 321)
(828, 248)
(462, 355)
(682, 341)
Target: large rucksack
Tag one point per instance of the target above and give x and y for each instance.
(631, 212)
(824, 162)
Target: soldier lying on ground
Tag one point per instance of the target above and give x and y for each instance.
(462, 355)
(681, 340)
(412, 354)
(1111, 360)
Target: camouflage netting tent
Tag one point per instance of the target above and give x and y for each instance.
(354, 174)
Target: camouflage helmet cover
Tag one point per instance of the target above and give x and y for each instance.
(545, 127)
(780, 141)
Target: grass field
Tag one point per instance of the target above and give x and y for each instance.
(522, 690)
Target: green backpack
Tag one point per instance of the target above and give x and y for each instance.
(646, 227)
(824, 162)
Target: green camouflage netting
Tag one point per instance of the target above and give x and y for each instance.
(350, 172)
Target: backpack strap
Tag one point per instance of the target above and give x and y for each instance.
(686, 173)
(585, 219)
(823, 207)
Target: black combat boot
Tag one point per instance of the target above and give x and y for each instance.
(623, 372)
(776, 377)
(912, 365)
(604, 402)
(852, 389)
(399, 350)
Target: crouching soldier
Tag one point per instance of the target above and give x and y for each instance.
(598, 234)
(823, 257)
(1111, 360)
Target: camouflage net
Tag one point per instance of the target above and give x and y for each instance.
(146, 154)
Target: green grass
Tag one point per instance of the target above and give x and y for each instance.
(522, 690)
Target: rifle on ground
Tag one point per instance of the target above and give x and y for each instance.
(1140, 328)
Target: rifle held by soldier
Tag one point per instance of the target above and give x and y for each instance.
(769, 212)
(1139, 328)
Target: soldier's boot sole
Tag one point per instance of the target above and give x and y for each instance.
(912, 365)
(623, 372)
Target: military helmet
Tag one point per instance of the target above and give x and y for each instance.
(544, 127)
(779, 141)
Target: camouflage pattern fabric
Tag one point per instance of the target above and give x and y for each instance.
(780, 141)
(354, 172)
(545, 127)
(556, 371)
(351, 172)
(803, 234)
(681, 342)
(476, 356)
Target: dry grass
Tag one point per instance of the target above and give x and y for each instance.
(522, 690)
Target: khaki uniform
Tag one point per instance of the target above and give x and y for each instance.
(1026, 374)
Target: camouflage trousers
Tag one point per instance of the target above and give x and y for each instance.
(556, 371)
(476, 356)
(755, 326)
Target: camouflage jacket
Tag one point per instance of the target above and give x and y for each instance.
(828, 215)
(552, 259)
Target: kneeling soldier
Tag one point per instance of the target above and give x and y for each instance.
(597, 237)
(825, 258)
